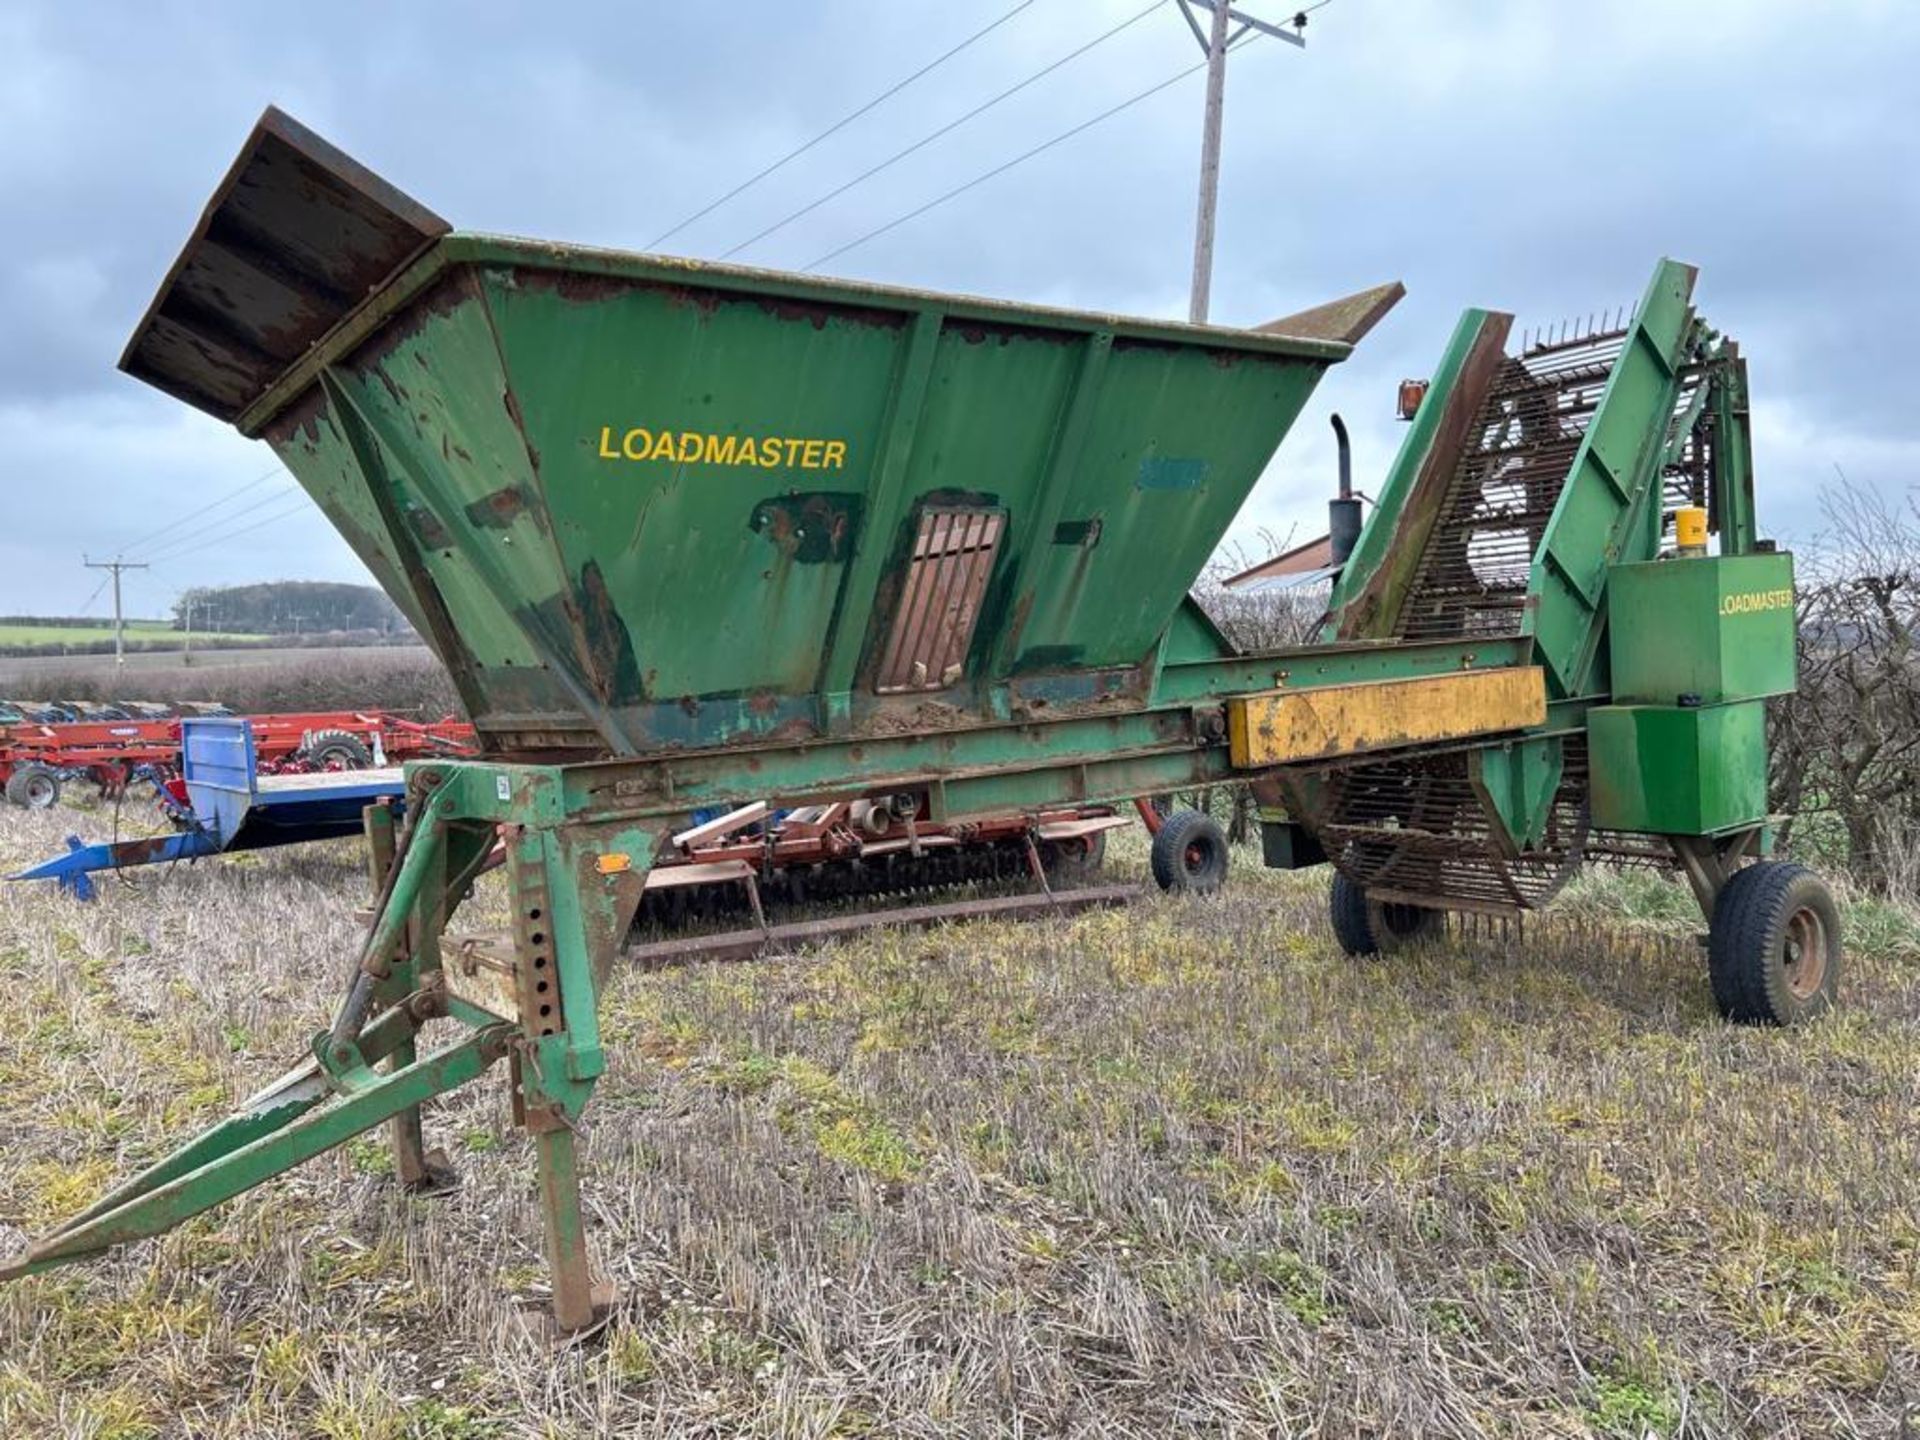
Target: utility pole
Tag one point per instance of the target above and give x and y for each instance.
(1216, 40)
(186, 653)
(119, 624)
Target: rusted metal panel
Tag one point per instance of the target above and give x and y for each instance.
(296, 236)
(940, 602)
(1346, 320)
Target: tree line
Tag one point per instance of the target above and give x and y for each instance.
(288, 607)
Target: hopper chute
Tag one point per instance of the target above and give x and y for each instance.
(638, 503)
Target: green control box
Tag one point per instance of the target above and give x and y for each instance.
(1672, 770)
(1713, 629)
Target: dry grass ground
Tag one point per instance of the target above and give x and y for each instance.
(1179, 1170)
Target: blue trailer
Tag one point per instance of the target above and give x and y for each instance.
(234, 807)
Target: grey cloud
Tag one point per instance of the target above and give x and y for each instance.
(1523, 156)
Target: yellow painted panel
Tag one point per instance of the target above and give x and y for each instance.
(1282, 727)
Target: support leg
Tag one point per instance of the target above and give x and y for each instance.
(416, 956)
(416, 1169)
(579, 1301)
(1709, 863)
(409, 1146)
(574, 896)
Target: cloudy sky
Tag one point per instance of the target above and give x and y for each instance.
(1520, 154)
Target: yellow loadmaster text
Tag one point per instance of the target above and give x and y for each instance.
(694, 447)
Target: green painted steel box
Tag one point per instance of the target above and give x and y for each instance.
(1717, 628)
(1673, 770)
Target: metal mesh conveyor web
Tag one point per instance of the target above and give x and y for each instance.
(1472, 579)
(1417, 829)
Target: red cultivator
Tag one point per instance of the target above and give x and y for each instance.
(37, 759)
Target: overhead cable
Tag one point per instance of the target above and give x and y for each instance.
(837, 126)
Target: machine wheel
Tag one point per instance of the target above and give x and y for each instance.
(1374, 927)
(1074, 862)
(1773, 945)
(336, 750)
(34, 787)
(1190, 853)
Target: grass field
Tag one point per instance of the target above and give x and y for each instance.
(1176, 1170)
(54, 637)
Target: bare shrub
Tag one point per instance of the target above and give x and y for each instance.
(1266, 619)
(1845, 747)
(389, 679)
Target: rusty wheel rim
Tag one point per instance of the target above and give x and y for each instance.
(1195, 859)
(1804, 952)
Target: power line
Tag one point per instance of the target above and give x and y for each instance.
(950, 126)
(838, 125)
(265, 520)
(195, 514)
(173, 548)
(1019, 159)
(271, 518)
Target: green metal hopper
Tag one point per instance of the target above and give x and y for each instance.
(636, 502)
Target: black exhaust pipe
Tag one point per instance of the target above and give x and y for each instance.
(1343, 511)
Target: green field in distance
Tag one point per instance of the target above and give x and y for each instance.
(53, 637)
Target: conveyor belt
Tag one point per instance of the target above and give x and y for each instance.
(1415, 828)
(1473, 576)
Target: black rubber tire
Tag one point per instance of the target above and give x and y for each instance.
(1074, 862)
(1773, 946)
(1190, 854)
(34, 787)
(336, 749)
(1373, 927)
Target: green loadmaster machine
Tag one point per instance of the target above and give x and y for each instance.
(682, 533)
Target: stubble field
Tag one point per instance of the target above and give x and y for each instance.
(1181, 1169)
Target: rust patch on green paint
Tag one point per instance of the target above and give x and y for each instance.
(427, 528)
(809, 528)
(301, 419)
(445, 296)
(980, 332)
(817, 314)
(579, 286)
(604, 637)
(498, 510)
